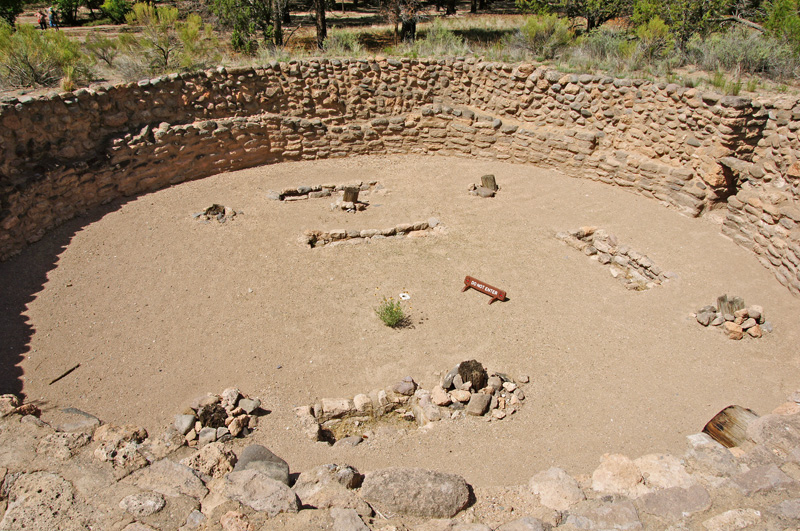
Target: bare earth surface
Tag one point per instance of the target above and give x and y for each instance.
(159, 308)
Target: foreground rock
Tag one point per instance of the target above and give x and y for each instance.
(416, 492)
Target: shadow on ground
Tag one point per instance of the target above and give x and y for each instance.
(22, 278)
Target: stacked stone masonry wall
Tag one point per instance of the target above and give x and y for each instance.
(63, 154)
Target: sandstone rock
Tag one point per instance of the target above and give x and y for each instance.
(733, 519)
(617, 474)
(237, 426)
(478, 404)
(62, 445)
(235, 521)
(344, 475)
(440, 397)
(138, 526)
(206, 436)
(334, 408)
(325, 495)
(460, 396)
(212, 460)
(788, 509)
(229, 398)
(72, 419)
(405, 387)
(362, 403)
(709, 456)
(260, 492)
(615, 515)
(779, 433)
(142, 504)
(663, 471)
(170, 479)
(184, 423)
(447, 381)
(353, 440)
(733, 330)
(249, 405)
(763, 478)
(40, 500)
(526, 523)
(755, 331)
(748, 323)
(416, 492)
(556, 489)
(257, 457)
(347, 520)
(675, 503)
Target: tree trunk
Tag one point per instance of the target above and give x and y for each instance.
(322, 28)
(277, 18)
(451, 7)
(482, 5)
(473, 6)
(351, 194)
(408, 33)
(287, 15)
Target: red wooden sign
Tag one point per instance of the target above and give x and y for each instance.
(495, 293)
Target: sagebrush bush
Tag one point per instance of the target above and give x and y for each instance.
(101, 48)
(116, 10)
(744, 51)
(341, 43)
(30, 58)
(547, 35)
(439, 40)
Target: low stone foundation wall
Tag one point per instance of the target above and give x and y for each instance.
(694, 151)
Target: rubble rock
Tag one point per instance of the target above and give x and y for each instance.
(416, 492)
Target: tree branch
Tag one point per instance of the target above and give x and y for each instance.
(744, 22)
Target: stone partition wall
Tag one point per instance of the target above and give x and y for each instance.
(693, 151)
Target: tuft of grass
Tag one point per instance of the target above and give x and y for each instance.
(391, 313)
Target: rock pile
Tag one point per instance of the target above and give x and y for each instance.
(218, 212)
(317, 238)
(467, 389)
(55, 475)
(734, 318)
(635, 270)
(317, 191)
(218, 418)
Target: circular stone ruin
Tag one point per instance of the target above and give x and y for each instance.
(157, 308)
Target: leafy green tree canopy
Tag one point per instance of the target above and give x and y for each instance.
(247, 19)
(9, 10)
(596, 12)
(685, 18)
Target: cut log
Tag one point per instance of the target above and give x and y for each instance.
(351, 194)
(488, 181)
(729, 426)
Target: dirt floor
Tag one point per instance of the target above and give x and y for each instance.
(159, 308)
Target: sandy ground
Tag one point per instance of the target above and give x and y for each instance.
(159, 308)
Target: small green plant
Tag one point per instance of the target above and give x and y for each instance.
(342, 43)
(717, 80)
(391, 313)
(752, 85)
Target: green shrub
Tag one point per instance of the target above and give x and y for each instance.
(29, 57)
(655, 40)
(744, 51)
(343, 43)
(102, 48)
(391, 313)
(547, 35)
(783, 21)
(116, 10)
(438, 40)
(167, 43)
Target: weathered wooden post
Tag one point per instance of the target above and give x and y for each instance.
(488, 181)
(351, 194)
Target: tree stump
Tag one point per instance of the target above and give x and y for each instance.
(351, 194)
(729, 426)
(488, 181)
(473, 371)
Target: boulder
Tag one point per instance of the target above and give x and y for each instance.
(143, 504)
(257, 457)
(556, 489)
(416, 492)
(617, 474)
(675, 503)
(170, 479)
(260, 492)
